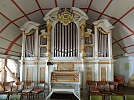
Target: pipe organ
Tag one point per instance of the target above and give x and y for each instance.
(67, 46)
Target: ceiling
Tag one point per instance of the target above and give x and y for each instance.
(14, 13)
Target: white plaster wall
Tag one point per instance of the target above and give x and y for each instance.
(119, 67)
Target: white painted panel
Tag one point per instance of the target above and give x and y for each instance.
(127, 41)
(120, 31)
(8, 8)
(119, 7)
(47, 3)
(99, 5)
(129, 20)
(81, 3)
(64, 3)
(130, 49)
(27, 5)
(92, 16)
(3, 22)
(37, 17)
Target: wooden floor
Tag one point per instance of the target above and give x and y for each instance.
(85, 95)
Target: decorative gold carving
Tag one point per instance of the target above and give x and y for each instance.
(102, 31)
(104, 62)
(65, 17)
(82, 22)
(89, 45)
(42, 46)
(83, 55)
(44, 35)
(31, 32)
(49, 26)
(87, 34)
(47, 55)
(83, 26)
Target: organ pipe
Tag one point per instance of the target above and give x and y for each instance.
(65, 40)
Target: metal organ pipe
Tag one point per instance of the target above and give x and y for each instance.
(65, 40)
(103, 45)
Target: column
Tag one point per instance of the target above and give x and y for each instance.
(36, 43)
(97, 71)
(48, 40)
(110, 44)
(83, 38)
(23, 45)
(22, 67)
(96, 43)
(96, 68)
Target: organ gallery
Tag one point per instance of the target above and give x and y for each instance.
(66, 52)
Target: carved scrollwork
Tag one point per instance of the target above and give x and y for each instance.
(102, 31)
(87, 34)
(30, 32)
(65, 17)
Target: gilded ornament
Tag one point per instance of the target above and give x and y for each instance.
(44, 35)
(102, 31)
(31, 32)
(89, 45)
(83, 26)
(42, 46)
(48, 56)
(65, 17)
(83, 55)
(87, 34)
(49, 26)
